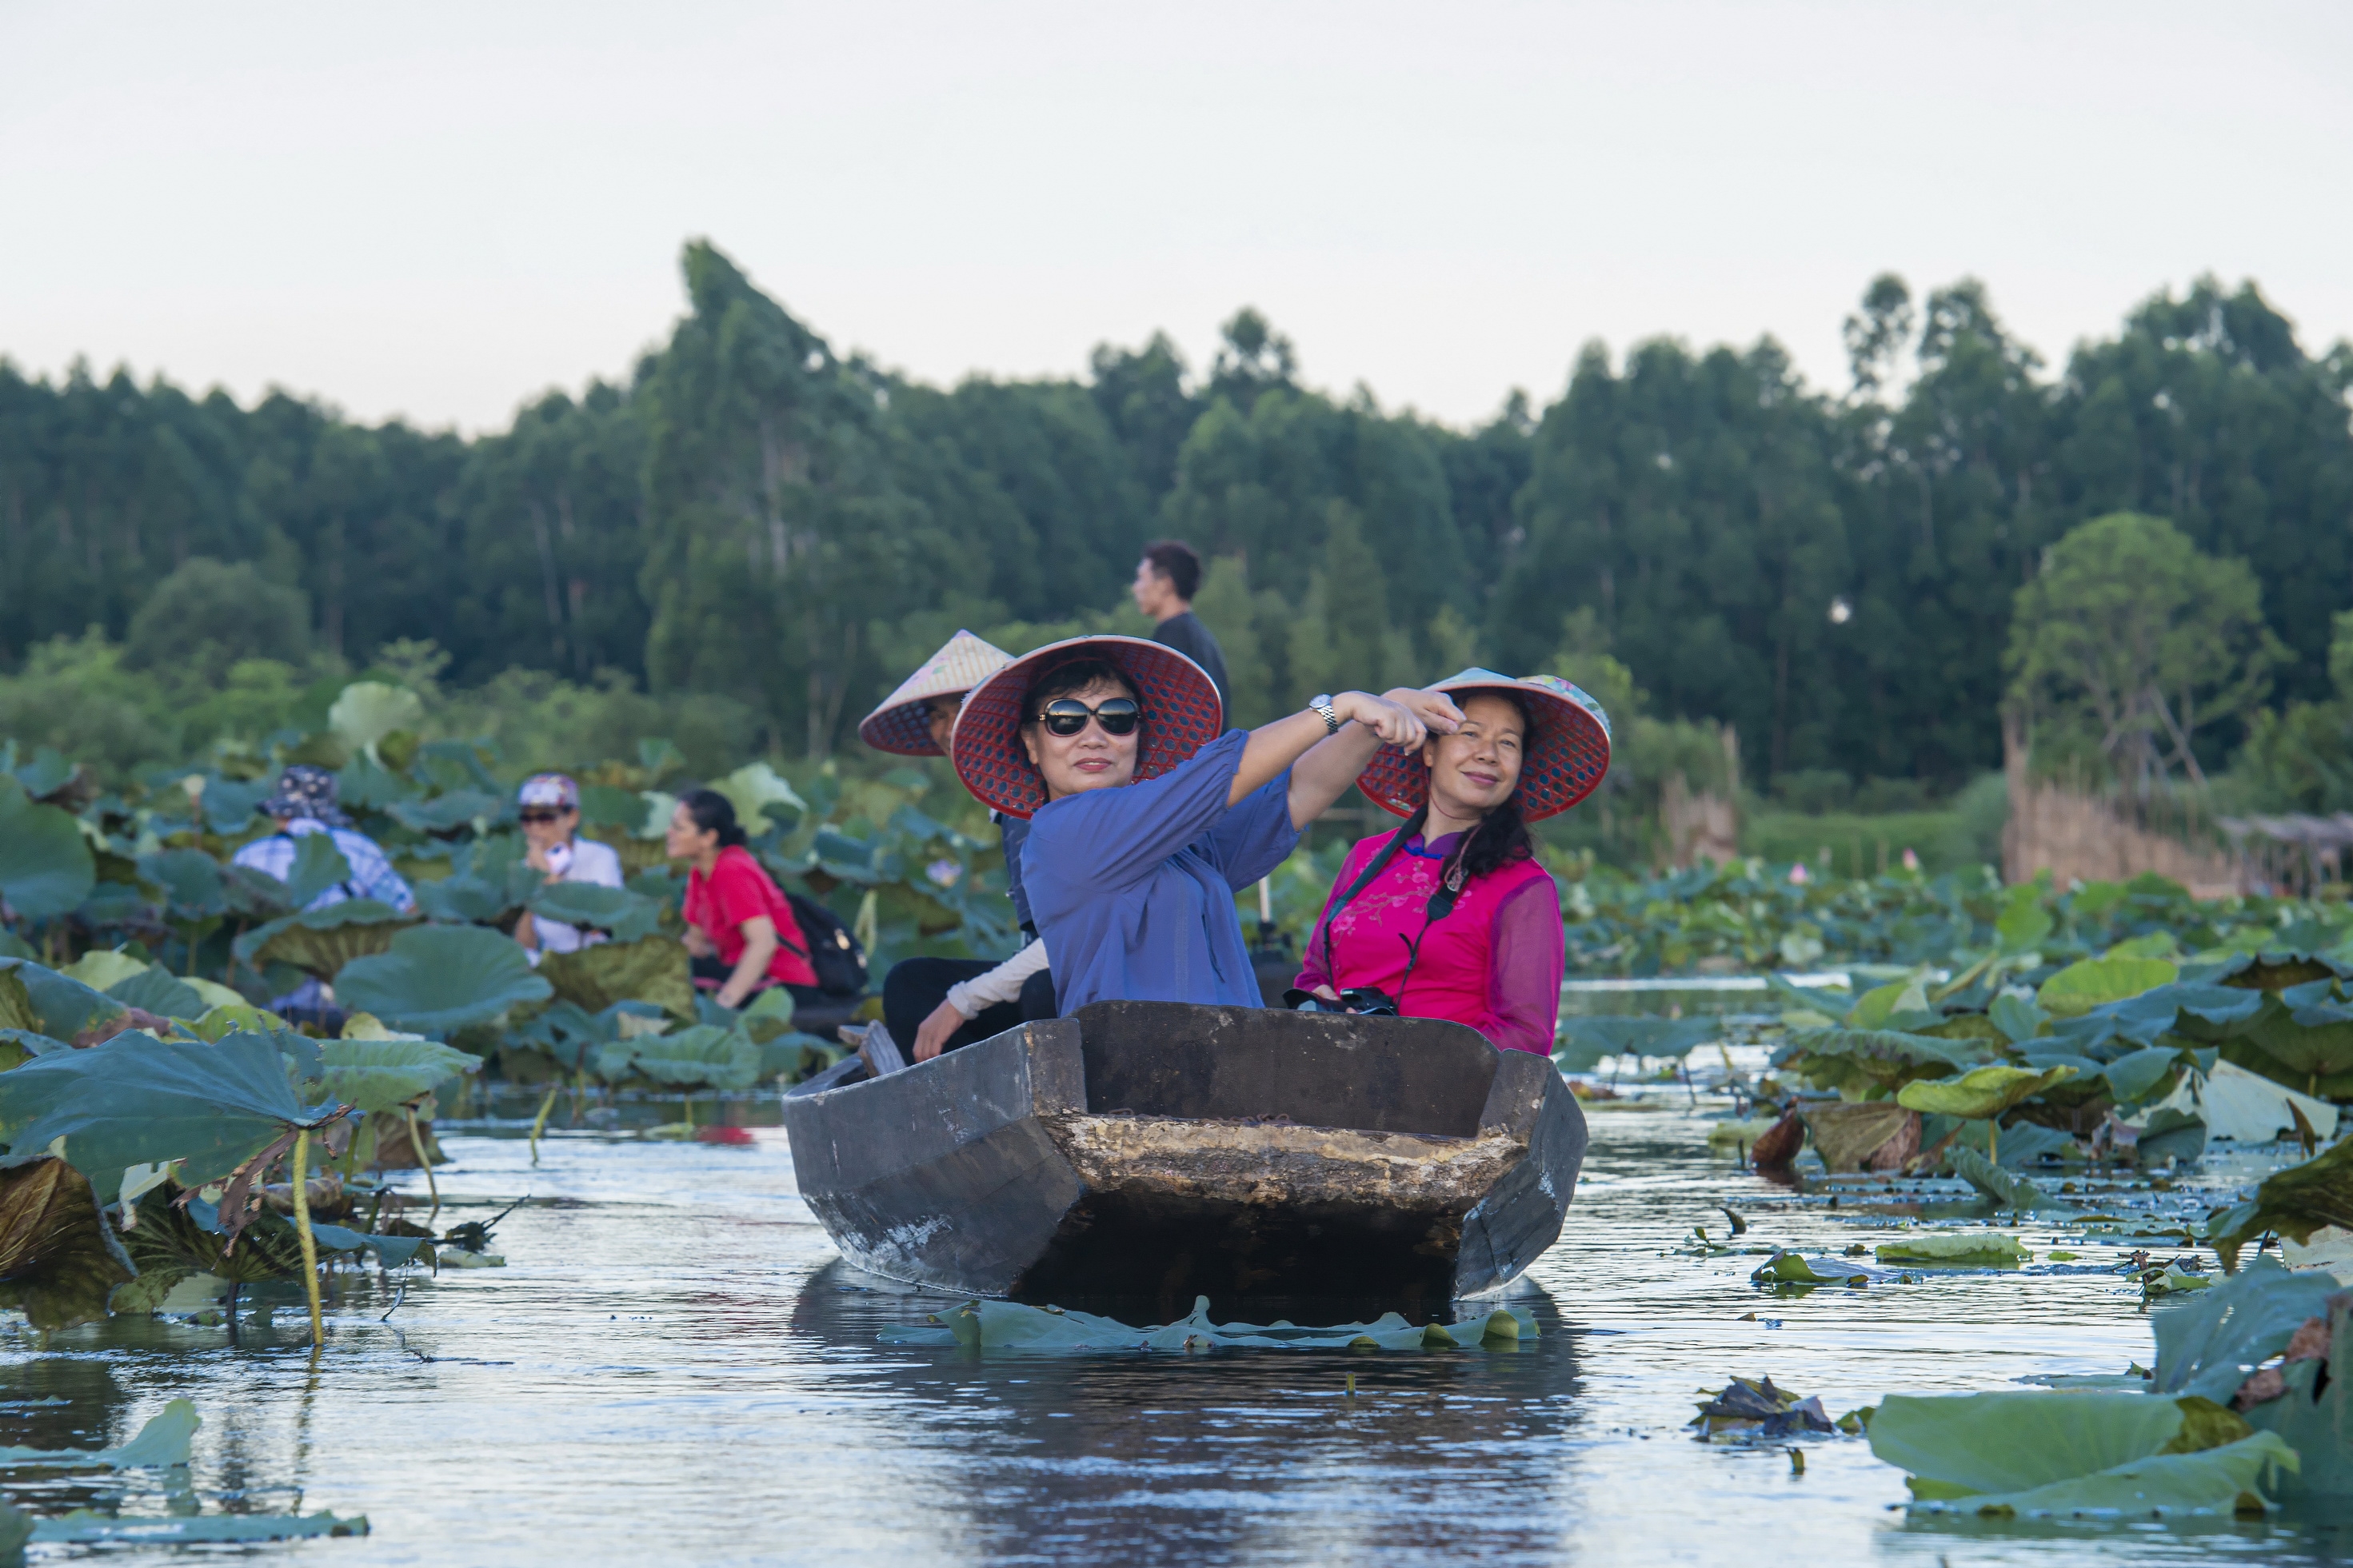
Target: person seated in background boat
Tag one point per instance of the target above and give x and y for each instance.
(1450, 916)
(934, 1005)
(741, 935)
(548, 806)
(1143, 821)
(306, 802)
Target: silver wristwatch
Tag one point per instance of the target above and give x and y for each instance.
(1321, 706)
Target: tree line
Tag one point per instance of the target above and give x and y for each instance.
(757, 520)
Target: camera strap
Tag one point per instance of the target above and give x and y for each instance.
(1380, 863)
(1441, 904)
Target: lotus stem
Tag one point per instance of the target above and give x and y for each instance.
(309, 1243)
(1993, 1141)
(426, 1160)
(540, 1126)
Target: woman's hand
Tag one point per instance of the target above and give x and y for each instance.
(932, 1033)
(1434, 709)
(698, 943)
(1394, 722)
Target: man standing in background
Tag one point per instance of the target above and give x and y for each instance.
(1166, 581)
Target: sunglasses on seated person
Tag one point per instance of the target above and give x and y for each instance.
(539, 814)
(1067, 716)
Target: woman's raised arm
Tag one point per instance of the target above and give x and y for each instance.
(1273, 747)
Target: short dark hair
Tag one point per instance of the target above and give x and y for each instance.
(1175, 559)
(714, 813)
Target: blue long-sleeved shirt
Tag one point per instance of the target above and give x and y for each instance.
(1133, 888)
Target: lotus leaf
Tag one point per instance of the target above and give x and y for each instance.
(230, 1018)
(1591, 1039)
(46, 868)
(607, 806)
(436, 979)
(1850, 1135)
(190, 878)
(617, 910)
(753, 788)
(317, 867)
(16, 1003)
(1011, 1326)
(2310, 1040)
(57, 1254)
(772, 1009)
(465, 900)
(392, 1251)
(136, 1101)
(2295, 1202)
(1880, 1006)
(1982, 1092)
(788, 1056)
(1792, 1268)
(2082, 986)
(1954, 1248)
(155, 989)
(2311, 1413)
(365, 785)
(1961, 1449)
(229, 803)
(2009, 1190)
(387, 1073)
(322, 942)
(368, 710)
(84, 1527)
(703, 1056)
(651, 969)
(444, 814)
(65, 1006)
(162, 1444)
(2024, 923)
(2135, 1077)
(1857, 1060)
(2170, 1134)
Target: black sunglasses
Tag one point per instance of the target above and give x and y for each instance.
(1068, 716)
(539, 816)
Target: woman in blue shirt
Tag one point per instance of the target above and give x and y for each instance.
(1144, 823)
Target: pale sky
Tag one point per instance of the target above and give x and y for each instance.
(437, 211)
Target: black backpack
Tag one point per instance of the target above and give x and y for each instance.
(832, 952)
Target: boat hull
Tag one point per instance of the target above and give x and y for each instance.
(1162, 1150)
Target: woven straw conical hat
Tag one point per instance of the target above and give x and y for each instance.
(903, 723)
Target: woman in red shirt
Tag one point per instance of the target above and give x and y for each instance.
(739, 928)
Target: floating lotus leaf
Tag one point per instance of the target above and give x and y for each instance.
(2043, 1454)
(384, 1075)
(322, 942)
(2295, 1202)
(1858, 1060)
(1981, 1093)
(703, 1056)
(2009, 1190)
(2080, 987)
(652, 969)
(190, 878)
(87, 1526)
(1793, 1268)
(1849, 1135)
(46, 868)
(1954, 1248)
(58, 1257)
(1012, 1327)
(1588, 1040)
(368, 710)
(162, 1444)
(137, 1100)
(436, 979)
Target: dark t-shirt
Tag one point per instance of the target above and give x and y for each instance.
(1186, 634)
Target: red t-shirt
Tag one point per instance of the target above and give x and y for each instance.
(737, 891)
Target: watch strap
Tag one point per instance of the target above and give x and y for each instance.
(1322, 707)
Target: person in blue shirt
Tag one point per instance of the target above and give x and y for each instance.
(1143, 822)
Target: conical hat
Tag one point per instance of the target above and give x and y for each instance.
(1564, 760)
(903, 723)
(1181, 715)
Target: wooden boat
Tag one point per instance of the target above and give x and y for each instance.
(1155, 1149)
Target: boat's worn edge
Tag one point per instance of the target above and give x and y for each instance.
(1512, 1225)
(1231, 1161)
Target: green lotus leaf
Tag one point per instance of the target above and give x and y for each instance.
(703, 1056)
(754, 788)
(443, 814)
(436, 979)
(1982, 1092)
(607, 806)
(651, 969)
(46, 866)
(384, 1075)
(1588, 1040)
(230, 1017)
(101, 968)
(65, 1006)
(162, 1444)
(158, 991)
(16, 1003)
(87, 1526)
(318, 866)
(2082, 986)
(1792, 1268)
(1882, 1006)
(137, 1100)
(367, 710)
(2313, 1041)
(322, 942)
(1012, 1326)
(465, 900)
(1860, 1060)
(1954, 1248)
(58, 1257)
(2141, 1073)
(190, 878)
(2007, 1189)
(616, 910)
(1847, 1134)
(2295, 1202)
(229, 803)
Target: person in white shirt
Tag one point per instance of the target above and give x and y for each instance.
(549, 807)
